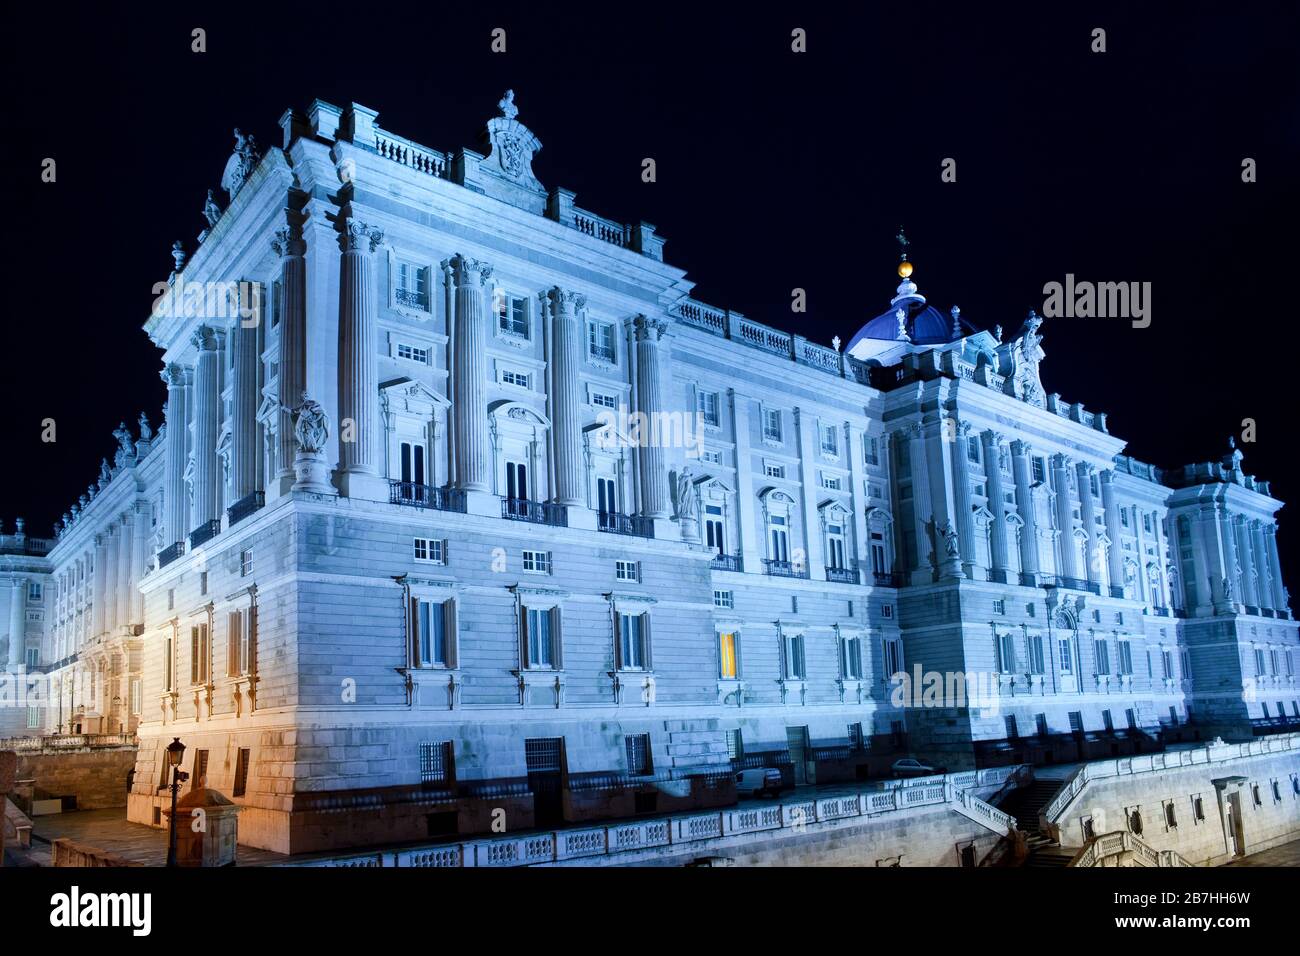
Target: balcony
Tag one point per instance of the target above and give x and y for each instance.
(244, 507)
(842, 575)
(784, 569)
(412, 299)
(887, 579)
(615, 523)
(602, 353)
(728, 562)
(426, 496)
(170, 553)
(205, 532)
(538, 512)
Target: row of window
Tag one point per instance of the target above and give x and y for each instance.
(241, 650)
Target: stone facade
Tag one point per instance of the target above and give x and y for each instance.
(462, 503)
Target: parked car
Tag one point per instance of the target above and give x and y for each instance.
(911, 767)
(760, 782)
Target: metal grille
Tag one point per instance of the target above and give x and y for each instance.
(638, 753)
(433, 762)
(542, 754)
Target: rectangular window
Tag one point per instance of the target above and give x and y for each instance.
(33, 718)
(1039, 471)
(887, 611)
(774, 471)
(706, 403)
(1107, 721)
(627, 570)
(735, 745)
(973, 449)
(1041, 721)
(712, 457)
(851, 658)
(714, 528)
(235, 648)
(1102, 651)
(241, 772)
(436, 763)
(633, 642)
(512, 314)
(518, 379)
(433, 622)
(893, 648)
(1012, 731)
(999, 606)
(794, 658)
(600, 342)
(1006, 653)
(430, 550)
(412, 353)
(35, 592)
(830, 482)
(1167, 664)
(32, 657)
(199, 654)
(772, 424)
(245, 562)
(169, 657)
(638, 754)
(728, 668)
(537, 562)
(1125, 657)
(199, 775)
(1076, 722)
(540, 632)
(603, 400)
(203, 582)
(1036, 665)
(870, 450)
(412, 285)
(830, 440)
(723, 599)
(1260, 668)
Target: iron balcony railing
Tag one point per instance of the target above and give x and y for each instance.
(728, 562)
(603, 353)
(842, 575)
(784, 569)
(244, 507)
(205, 532)
(616, 523)
(538, 512)
(170, 553)
(426, 496)
(415, 300)
(888, 579)
(1116, 591)
(1028, 579)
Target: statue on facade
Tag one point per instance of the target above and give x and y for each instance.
(125, 449)
(950, 539)
(687, 505)
(105, 475)
(211, 211)
(146, 432)
(311, 431)
(1026, 354)
(1227, 590)
(240, 165)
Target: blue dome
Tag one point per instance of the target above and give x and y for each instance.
(926, 327)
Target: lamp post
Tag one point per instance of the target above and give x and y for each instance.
(175, 751)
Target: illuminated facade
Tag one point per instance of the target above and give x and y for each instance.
(462, 502)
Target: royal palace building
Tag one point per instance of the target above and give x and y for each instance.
(461, 504)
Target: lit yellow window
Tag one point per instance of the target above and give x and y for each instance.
(727, 655)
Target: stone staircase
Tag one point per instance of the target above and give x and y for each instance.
(1024, 803)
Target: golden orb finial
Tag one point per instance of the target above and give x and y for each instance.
(904, 269)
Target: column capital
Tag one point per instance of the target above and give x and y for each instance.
(649, 329)
(1086, 468)
(287, 242)
(1021, 448)
(991, 437)
(357, 235)
(1062, 460)
(563, 301)
(1108, 476)
(470, 272)
(175, 375)
(206, 338)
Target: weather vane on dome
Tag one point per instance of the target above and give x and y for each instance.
(904, 267)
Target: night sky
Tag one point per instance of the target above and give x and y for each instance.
(775, 170)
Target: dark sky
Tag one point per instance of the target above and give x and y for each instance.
(775, 171)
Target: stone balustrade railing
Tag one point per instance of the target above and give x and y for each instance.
(605, 840)
(407, 153)
(1109, 845)
(1214, 752)
(59, 743)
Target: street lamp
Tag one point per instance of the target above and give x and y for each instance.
(175, 752)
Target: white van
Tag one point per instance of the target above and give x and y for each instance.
(760, 782)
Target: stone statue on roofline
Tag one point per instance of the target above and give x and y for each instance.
(243, 160)
(211, 211)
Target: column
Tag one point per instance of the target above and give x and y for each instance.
(1263, 566)
(125, 562)
(1232, 566)
(99, 603)
(927, 558)
(1275, 564)
(288, 245)
(1064, 517)
(961, 494)
(176, 513)
(654, 481)
(111, 561)
(746, 525)
(244, 400)
(1084, 473)
(139, 560)
(1110, 515)
(207, 425)
(471, 369)
(566, 415)
(1249, 576)
(1021, 466)
(17, 621)
(808, 438)
(993, 472)
(858, 499)
(358, 425)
